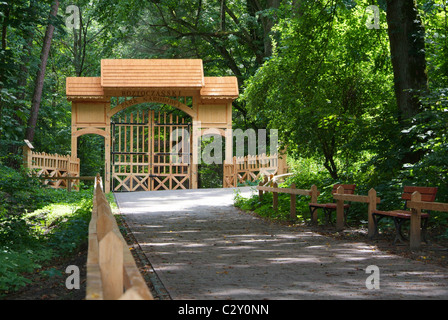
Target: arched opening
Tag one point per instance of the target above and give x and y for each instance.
(211, 164)
(91, 152)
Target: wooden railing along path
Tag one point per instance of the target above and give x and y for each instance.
(371, 199)
(112, 273)
(416, 205)
(313, 193)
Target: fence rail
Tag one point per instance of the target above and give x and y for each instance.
(112, 273)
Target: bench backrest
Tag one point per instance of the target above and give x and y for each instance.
(348, 188)
(428, 193)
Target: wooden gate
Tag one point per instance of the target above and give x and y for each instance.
(150, 151)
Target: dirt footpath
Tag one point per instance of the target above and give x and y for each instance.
(201, 247)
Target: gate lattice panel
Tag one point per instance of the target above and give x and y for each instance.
(142, 152)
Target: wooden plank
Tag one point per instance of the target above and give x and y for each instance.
(354, 198)
(66, 178)
(427, 193)
(131, 294)
(287, 190)
(111, 266)
(340, 209)
(134, 279)
(423, 205)
(94, 285)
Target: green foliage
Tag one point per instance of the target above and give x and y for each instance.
(37, 225)
(327, 85)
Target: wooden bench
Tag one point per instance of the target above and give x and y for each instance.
(328, 208)
(428, 194)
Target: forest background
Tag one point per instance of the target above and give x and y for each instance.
(356, 97)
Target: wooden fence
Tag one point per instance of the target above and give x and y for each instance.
(371, 199)
(52, 166)
(292, 191)
(112, 273)
(415, 204)
(253, 168)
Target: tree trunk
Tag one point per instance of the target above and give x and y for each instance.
(268, 24)
(40, 77)
(5, 23)
(407, 45)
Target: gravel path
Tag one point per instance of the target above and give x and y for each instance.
(203, 248)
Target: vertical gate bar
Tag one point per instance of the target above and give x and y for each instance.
(152, 147)
(170, 149)
(131, 157)
(150, 138)
(138, 140)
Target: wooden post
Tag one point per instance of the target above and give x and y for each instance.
(372, 208)
(111, 266)
(416, 220)
(260, 192)
(234, 172)
(293, 213)
(275, 197)
(107, 156)
(69, 183)
(340, 210)
(314, 200)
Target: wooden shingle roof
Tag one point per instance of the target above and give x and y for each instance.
(137, 77)
(84, 87)
(220, 88)
(152, 73)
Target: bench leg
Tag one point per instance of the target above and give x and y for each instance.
(327, 213)
(400, 237)
(376, 220)
(399, 234)
(424, 226)
(312, 210)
